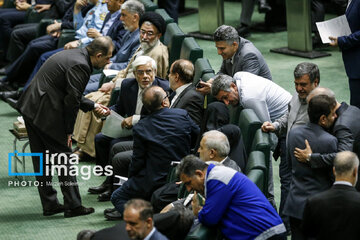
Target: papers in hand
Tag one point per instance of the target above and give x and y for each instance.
(109, 72)
(335, 27)
(112, 127)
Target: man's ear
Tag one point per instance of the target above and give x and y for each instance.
(322, 120)
(235, 44)
(98, 55)
(199, 173)
(149, 222)
(316, 82)
(212, 153)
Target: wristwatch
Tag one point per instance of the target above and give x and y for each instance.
(308, 157)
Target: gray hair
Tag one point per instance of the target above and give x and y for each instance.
(218, 141)
(306, 68)
(144, 207)
(134, 7)
(100, 44)
(320, 91)
(345, 162)
(189, 165)
(221, 82)
(226, 33)
(142, 60)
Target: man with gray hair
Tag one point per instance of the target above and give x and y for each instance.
(335, 213)
(346, 129)
(214, 148)
(307, 77)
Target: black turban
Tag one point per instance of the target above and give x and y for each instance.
(155, 19)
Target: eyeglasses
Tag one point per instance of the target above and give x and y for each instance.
(141, 72)
(167, 95)
(150, 34)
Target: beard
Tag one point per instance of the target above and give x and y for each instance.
(148, 45)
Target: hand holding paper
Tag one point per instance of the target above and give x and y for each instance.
(334, 28)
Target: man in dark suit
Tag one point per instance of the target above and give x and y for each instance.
(346, 129)
(307, 177)
(185, 96)
(335, 213)
(49, 107)
(151, 158)
(350, 48)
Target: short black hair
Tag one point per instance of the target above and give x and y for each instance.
(100, 44)
(189, 165)
(185, 69)
(144, 207)
(320, 105)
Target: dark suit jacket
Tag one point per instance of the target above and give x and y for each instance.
(192, 101)
(346, 129)
(350, 45)
(159, 138)
(54, 96)
(126, 102)
(333, 214)
(306, 179)
(116, 31)
(248, 59)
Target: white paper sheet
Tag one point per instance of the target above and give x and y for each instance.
(112, 127)
(108, 72)
(335, 27)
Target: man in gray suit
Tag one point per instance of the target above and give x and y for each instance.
(307, 78)
(49, 107)
(185, 96)
(309, 178)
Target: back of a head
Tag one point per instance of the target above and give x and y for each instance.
(306, 68)
(143, 207)
(189, 165)
(100, 44)
(320, 91)
(218, 141)
(221, 82)
(226, 33)
(152, 98)
(134, 7)
(345, 163)
(185, 69)
(320, 105)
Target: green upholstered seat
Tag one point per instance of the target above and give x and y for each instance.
(190, 50)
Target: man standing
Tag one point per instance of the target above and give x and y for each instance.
(307, 77)
(349, 45)
(230, 198)
(335, 213)
(151, 158)
(307, 177)
(49, 107)
(180, 78)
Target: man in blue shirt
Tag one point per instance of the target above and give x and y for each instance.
(233, 202)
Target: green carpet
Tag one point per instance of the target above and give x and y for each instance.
(20, 211)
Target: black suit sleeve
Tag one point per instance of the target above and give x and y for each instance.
(195, 108)
(138, 161)
(309, 226)
(76, 79)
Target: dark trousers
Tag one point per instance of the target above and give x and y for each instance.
(9, 18)
(120, 157)
(20, 37)
(285, 179)
(39, 143)
(317, 13)
(354, 85)
(171, 7)
(296, 229)
(103, 144)
(20, 70)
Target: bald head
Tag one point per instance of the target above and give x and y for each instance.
(155, 98)
(320, 91)
(346, 167)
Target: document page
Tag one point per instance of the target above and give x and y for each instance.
(112, 127)
(335, 27)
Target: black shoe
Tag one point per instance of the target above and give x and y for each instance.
(109, 210)
(99, 189)
(243, 31)
(85, 234)
(113, 216)
(10, 94)
(264, 7)
(105, 196)
(79, 211)
(2, 71)
(59, 209)
(6, 86)
(12, 102)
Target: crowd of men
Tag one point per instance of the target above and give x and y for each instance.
(165, 119)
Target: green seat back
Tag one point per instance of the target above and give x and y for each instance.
(202, 66)
(33, 16)
(67, 35)
(257, 177)
(261, 142)
(256, 160)
(204, 233)
(173, 39)
(8, 4)
(114, 96)
(190, 50)
(235, 114)
(149, 5)
(248, 123)
(166, 18)
(104, 79)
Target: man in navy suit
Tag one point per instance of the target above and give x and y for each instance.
(165, 135)
(307, 177)
(335, 213)
(350, 47)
